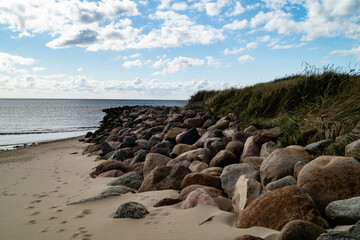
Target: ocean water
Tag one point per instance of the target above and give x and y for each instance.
(28, 121)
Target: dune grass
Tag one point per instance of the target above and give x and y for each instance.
(309, 107)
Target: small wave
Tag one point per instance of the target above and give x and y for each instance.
(43, 131)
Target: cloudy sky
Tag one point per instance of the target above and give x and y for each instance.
(164, 49)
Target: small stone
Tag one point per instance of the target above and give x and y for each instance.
(344, 212)
(131, 210)
(282, 182)
(267, 148)
(236, 147)
(316, 147)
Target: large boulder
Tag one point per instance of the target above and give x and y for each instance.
(265, 135)
(202, 179)
(330, 178)
(246, 191)
(223, 158)
(213, 192)
(189, 137)
(277, 165)
(251, 149)
(344, 212)
(193, 122)
(107, 166)
(353, 150)
(236, 147)
(112, 173)
(122, 154)
(196, 197)
(231, 174)
(181, 148)
(220, 125)
(317, 147)
(130, 179)
(131, 210)
(165, 177)
(267, 148)
(154, 160)
(300, 230)
(274, 209)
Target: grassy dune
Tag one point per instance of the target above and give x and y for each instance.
(309, 107)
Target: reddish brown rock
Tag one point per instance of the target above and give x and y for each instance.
(300, 230)
(193, 122)
(111, 173)
(182, 148)
(202, 179)
(330, 178)
(167, 202)
(106, 166)
(274, 209)
(172, 133)
(213, 192)
(153, 160)
(256, 160)
(265, 135)
(196, 197)
(251, 149)
(166, 177)
(198, 166)
(215, 171)
(248, 237)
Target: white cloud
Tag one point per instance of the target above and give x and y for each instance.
(236, 25)
(38, 69)
(135, 63)
(239, 9)
(276, 46)
(251, 45)
(79, 69)
(213, 62)
(233, 51)
(264, 38)
(164, 4)
(9, 62)
(246, 58)
(212, 8)
(353, 52)
(177, 64)
(179, 6)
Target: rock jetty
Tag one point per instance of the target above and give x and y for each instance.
(205, 157)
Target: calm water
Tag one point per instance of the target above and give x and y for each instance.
(25, 121)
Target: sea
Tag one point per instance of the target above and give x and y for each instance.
(25, 122)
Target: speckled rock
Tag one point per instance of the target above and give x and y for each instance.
(198, 166)
(282, 182)
(130, 179)
(154, 160)
(316, 147)
(353, 150)
(131, 210)
(344, 212)
(196, 197)
(267, 148)
(251, 149)
(300, 230)
(213, 192)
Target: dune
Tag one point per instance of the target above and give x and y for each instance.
(38, 183)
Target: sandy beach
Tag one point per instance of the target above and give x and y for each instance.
(38, 182)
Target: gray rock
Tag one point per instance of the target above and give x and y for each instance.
(131, 210)
(241, 136)
(337, 235)
(297, 168)
(130, 179)
(117, 190)
(267, 148)
(231, 174)
(250, 129)
(316, 147)
(282, 182)
(344, 212)
(128, 141)
(300, 230)
(148, 133)
(122, 154)
(167, 146)
(189, 137)
(106, 148)
(154, 140)
(139, 156)
(353, 150)
(223, 158)
(355, 228)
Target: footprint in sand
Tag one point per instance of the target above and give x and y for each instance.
(61, 230)
(52, 218)
(53, 207)
(166, 214)
(36, 201)
(35, 213)
(63, 222)
(59, 210)
(30, 207)
(45, 230)
(32, 221)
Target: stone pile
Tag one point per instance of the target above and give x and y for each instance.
(204, 157)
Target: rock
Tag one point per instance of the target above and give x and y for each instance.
(181, 148)
(198, 166)
(223, 158)
(356, 228)
(214, 171)
(208, 134)
(193, 122)
(173, 132)
(167, 202)
(297, 168)
(220, 144)
(189, 137)
(267, 148)
(128, 141)
(91, 149)
(122, 154)
(167, 146)
(130, 179)
(107, 166)
(255, 160)
(241, 136)
(298, 152)
(142, 144)
(196, 197)
(246, 191)
(277, 165)
(232, 173)
(251, 149)
(337, 235)
(265, 135)
(236, 147)
(229, 132)
(106, 148)
(316, 147)
(300, 230)
(118, 190)
(111, 173)
(220, 125)
(154, 140)
(344, 212)
(330, 178)
(154, 160)
(213, 192)
(137, 167)
(148, 133)
(274, 209)
(353, 150)
(202, 179)
(250, 129)
(166, 177)
(131, 210)
(140, 156)
(248, 237)
(282, 182)
(186, 158)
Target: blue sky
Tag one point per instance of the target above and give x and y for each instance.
(124, 49)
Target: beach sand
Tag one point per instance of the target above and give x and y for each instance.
(37, 183)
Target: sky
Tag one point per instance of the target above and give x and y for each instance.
(164, 49)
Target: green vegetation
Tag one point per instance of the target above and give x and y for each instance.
(308, 107)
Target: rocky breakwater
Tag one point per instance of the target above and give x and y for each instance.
(206, 157)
